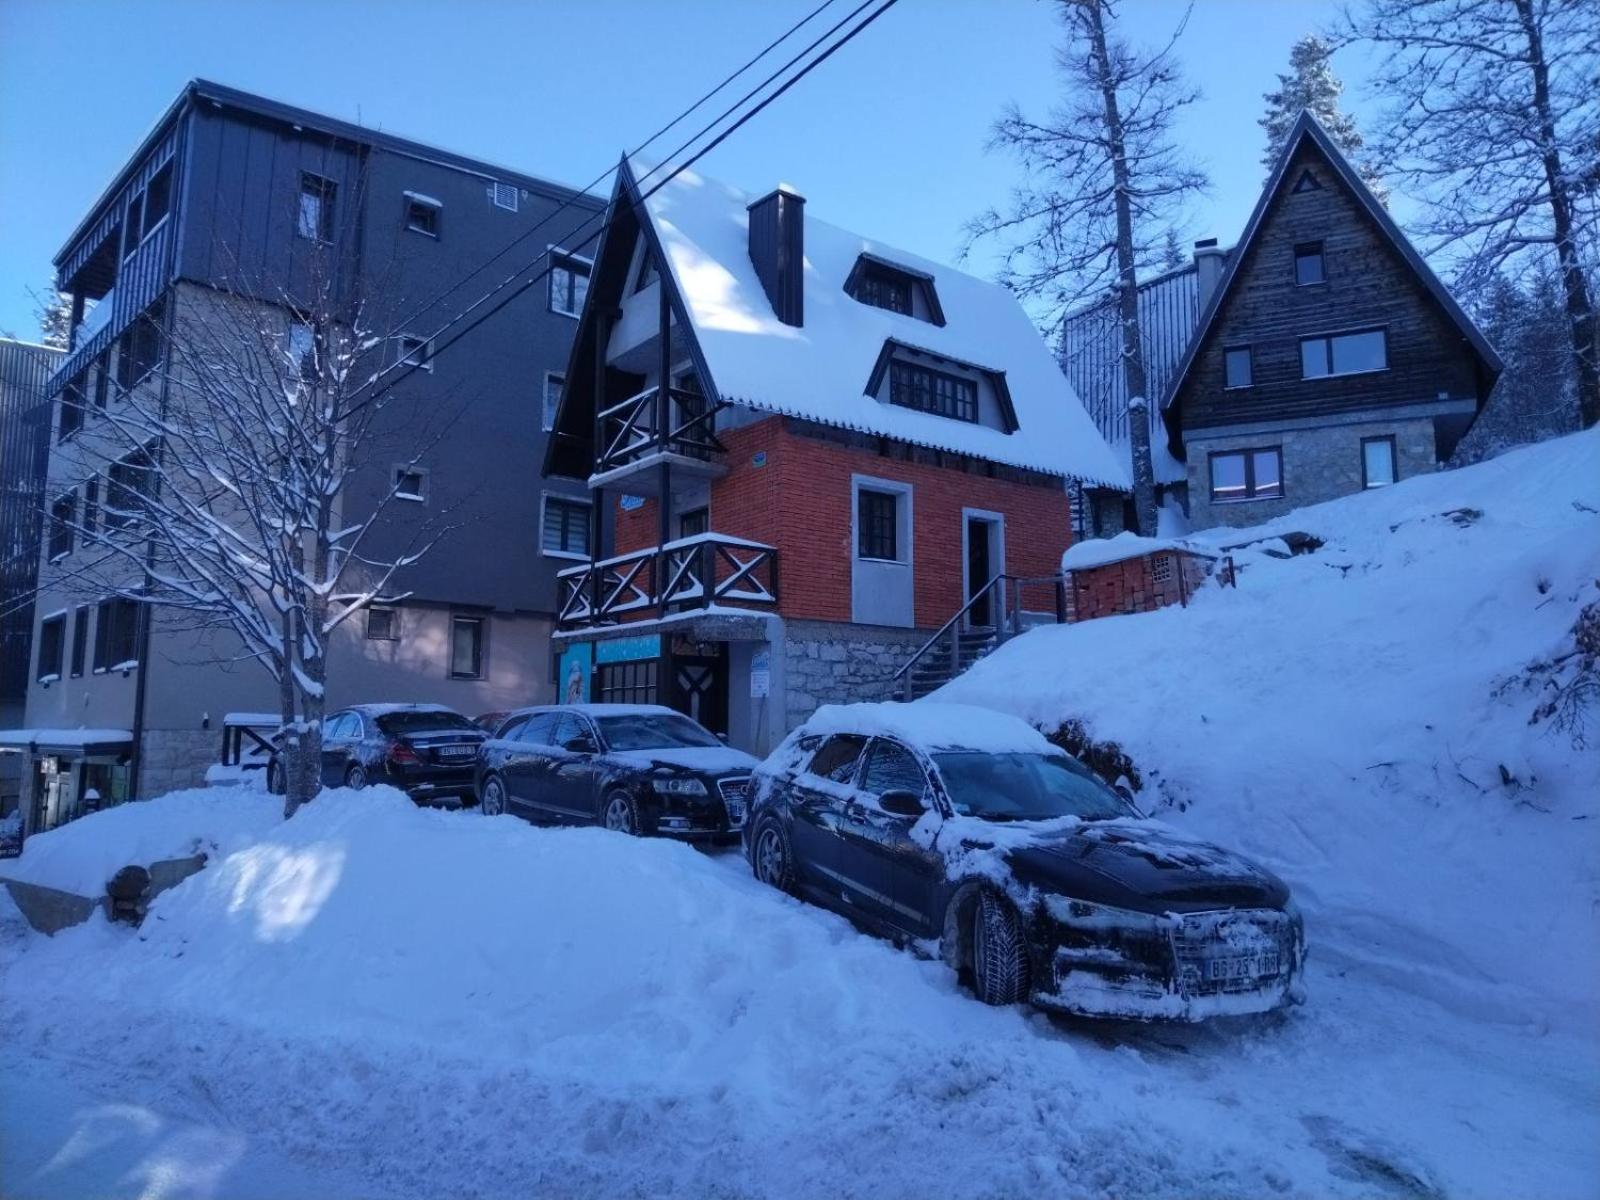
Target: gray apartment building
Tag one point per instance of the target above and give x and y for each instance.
(232, 194)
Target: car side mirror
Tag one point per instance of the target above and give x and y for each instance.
(581, 744)
(723, 738)
(901, 803)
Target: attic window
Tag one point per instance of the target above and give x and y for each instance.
(914, 386)
(885, 285)
(647, 273)
(1307, 182)
(422, 214)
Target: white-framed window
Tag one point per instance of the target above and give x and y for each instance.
(1236, 367)
(881, 520)
(564, 527)
(1379, 465)
(466, 647)
(416, 351)
(554, 383)
(1254, 474)
(1353, 353)
(569, 283)
(411, 483)
(422, 214)
(314, 217)
(52, 647)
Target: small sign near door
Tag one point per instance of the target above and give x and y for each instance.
(761, 674)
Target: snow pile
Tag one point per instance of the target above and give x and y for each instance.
(1352, 719)
(1099, 552)
(82, 855)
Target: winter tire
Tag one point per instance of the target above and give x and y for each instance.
(770, 859)
(999, 952)
(356, 777)
(620, 813)
(493, 800)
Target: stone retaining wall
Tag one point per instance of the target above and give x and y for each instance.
(828, 662)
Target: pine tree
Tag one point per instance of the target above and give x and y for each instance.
(54, 310)
(1172, 255)
(1311, 84)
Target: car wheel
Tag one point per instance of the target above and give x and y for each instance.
(492, 800)
(770, 858)
(621, 814)
(999, 952)
(356, 777)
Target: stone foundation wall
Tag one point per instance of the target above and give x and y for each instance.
(827, 662)
(171, 759)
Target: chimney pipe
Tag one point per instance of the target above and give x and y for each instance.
(778, 251)
(1209, 260)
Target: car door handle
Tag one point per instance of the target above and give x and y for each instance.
(855, 812)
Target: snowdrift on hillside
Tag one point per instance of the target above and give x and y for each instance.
(1352, 718)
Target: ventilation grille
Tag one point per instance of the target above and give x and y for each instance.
(504, 196)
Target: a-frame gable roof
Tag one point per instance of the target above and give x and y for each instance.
(1308, 127)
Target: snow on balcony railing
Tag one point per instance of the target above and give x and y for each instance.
(669, 577)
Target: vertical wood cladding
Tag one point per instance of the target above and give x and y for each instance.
(1368, 285)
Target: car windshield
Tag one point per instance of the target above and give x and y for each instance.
(1026, 787)
(653, 731)
(426, 720)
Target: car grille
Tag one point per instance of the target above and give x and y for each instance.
(1240, 950)
(734, 792)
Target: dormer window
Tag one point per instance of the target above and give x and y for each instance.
(912, 385)
(886, 285)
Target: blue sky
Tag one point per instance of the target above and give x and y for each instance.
(886, 138)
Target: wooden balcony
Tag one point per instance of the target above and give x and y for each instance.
(652, 427)
(709, 570)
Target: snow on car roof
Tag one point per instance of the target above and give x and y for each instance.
(934, 725)
(379, 710)
(820, 370)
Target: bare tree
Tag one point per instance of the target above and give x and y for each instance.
(1104, 176)
(1495, 124)
(1311, 85)
(231, 493)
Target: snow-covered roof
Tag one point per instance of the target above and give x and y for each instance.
(933, 726)
(253, 718)
(820, 370)
(63, 737)
(1100, 552)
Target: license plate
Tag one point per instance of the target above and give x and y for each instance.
(1243, 966)
(735, 811)
(455, 751)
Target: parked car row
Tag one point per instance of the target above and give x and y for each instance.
(956, 830)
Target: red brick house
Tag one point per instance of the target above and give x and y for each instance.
(854, 449)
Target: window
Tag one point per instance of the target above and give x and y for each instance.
(314, 219)
(73, 403)
(91, 506)
(569, 284)
(553, 385)
(694, 522)
(383, 624)
(157, 198)
(116, 635)
(422, 214)
(883, 290)
(303, 349)
(52, 647)
(540, 729)
(626, 682)
(411, 483)
(877, 525)
(566, 527)
(1307, 182)
(1237, 367)
(1247, 474)
(647, 272)
(836, 759)
(80, 638)
(1308, 263)
(1344, 354)
(139, 349)
(102, 377)
(416, 351)
(1378, 461)
(892, 768)
(128, 482)
(504, 195)
(927, 390)
(63, 512)
(1161, 568)
(466, 647)
(133, 231)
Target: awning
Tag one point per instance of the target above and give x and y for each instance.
(71, 743)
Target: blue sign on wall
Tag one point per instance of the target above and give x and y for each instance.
(628, 649)
(629, 503)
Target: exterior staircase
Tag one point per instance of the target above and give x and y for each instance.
(960, 642)
(947, 659)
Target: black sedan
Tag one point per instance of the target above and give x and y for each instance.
(963, 829)
(634, 768)
(426, 750)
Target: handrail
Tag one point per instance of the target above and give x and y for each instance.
(945, 628)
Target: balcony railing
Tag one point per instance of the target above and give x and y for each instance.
(648, 422)
(705, 571)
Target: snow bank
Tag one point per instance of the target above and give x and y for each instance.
(1098, 552)
(1350, 718)
(82, 855)
(945, 726)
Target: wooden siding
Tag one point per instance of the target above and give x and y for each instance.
(1368, 285)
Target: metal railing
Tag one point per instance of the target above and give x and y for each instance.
(701, 571)
(1004, 595)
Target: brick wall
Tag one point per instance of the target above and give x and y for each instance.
(799, 499)
(1134, 585)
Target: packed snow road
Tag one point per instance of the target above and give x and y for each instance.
(372, 1000)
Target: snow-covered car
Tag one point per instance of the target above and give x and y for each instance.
(635, 768)
(964, 831)
(427, 751)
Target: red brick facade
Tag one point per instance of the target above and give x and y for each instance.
(1134, 585)
(793, 490)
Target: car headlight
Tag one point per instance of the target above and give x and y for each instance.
(678, 787)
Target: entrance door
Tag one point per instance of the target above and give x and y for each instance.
(983, 561)
(700, 689)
